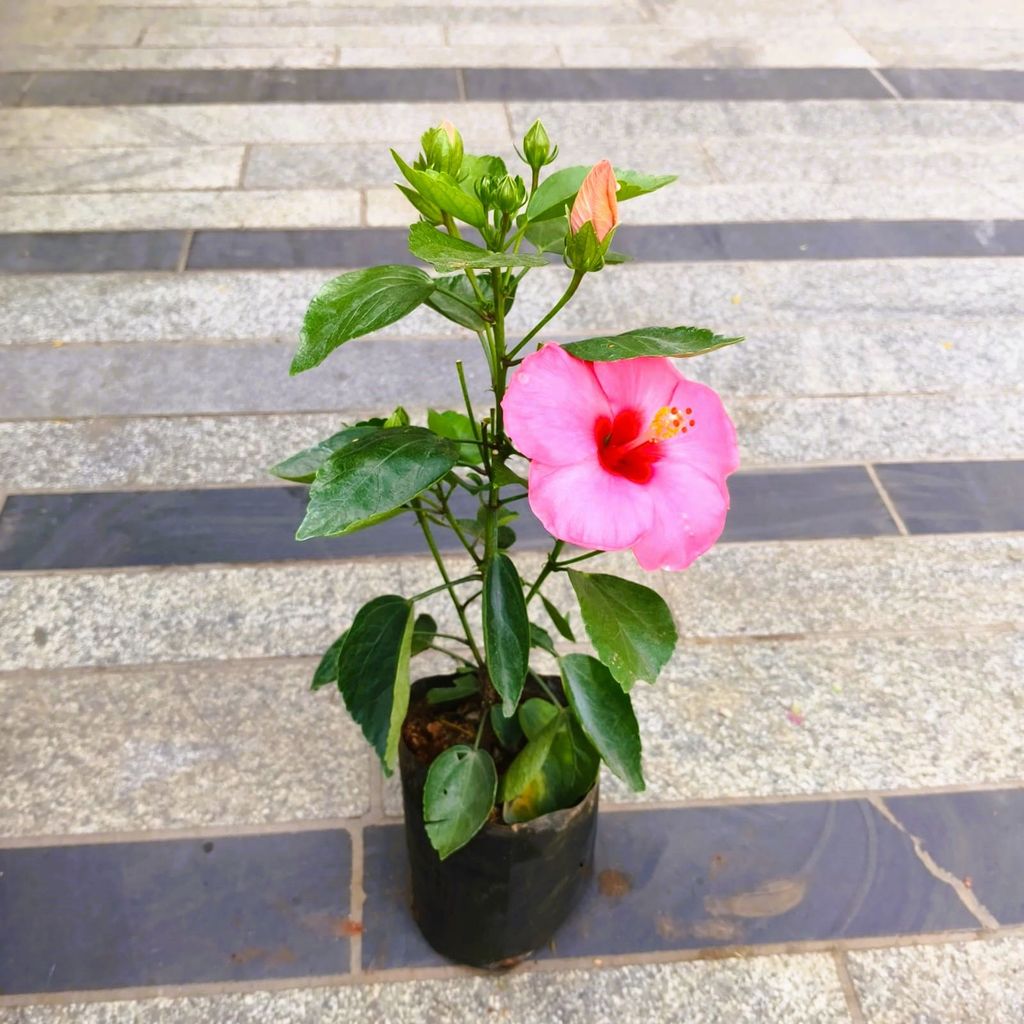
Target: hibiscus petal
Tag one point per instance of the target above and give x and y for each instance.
(586, 505)
(644, 384)
(689, 516)
(710, 444)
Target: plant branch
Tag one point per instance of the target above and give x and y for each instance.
(549, 566)
(577, 277)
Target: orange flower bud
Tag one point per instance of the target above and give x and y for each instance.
(595, 202)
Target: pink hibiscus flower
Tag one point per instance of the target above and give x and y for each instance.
(626, 454)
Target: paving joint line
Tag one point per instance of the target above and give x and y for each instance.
(966, 896)
(460, 84)
(853, 1006)
(186, 249)
(886, 84)
(887, 501)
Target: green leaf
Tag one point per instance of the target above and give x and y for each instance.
(355, 304)
(456, 426)
(506, 630)
(535, 715)
(558, 190)
(629, 625)
(505, 477)
(326, 673)
(445, 253)
(424, 630)
(606, 715)
(548, 235)
(444, 192)
(453, 298)
(399, 418)
(554, 770)
(476, 167)
(373, 672)
(541, 638)
(428, 209)
(374, 477)
(506, 537)
(560, 621)
(650, 341)
(458, 796)
(464, 686)
(510, 736)
(302, 466)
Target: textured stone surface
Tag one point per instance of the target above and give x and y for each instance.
(795, 989)
(952, 984)
(176, 747)
(893, 584)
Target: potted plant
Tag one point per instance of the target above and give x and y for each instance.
(611, 446)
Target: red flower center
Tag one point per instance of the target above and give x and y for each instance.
(617, 448)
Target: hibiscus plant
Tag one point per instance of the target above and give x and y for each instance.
(609, 444)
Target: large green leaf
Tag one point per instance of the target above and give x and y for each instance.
(649, 341)
(606, 714)
(554, 770)
(458, 796)
(506, 630)
(302, 466)
(558, 190)
(373, 672)
(444, 192)
(355, 304)
(370, 479)
(629, 625)
(535, 715)
(445, 253)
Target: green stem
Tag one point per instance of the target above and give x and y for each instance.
(480, 729)
(444, 586)
(453, 524)
(579, 558)
(451, 654)
(577, 277)
(539, 680)
(549, 566)
(465, 392)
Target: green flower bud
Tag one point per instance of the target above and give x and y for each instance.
(537, 151)
(442, 149)
(583, 251)
(509, 194)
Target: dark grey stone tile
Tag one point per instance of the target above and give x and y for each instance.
(117, 915)
(976, 836)
(672, 84)
(239, 85)
(89, 251)
(706, 877)
(12, 85)
(822, 240)
(956, 83)
(957, 497)
(188, 527)
(265, 250)
(805, 504)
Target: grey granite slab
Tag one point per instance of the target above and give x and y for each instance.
(258, 524)
(12, 85)
(119, 915)
(976, 837)
(956, 83)
(953, 983)
(89, 251)
(701, 878)
(268, 85)
(800, 989)
(953, 497)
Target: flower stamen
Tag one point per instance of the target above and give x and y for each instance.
(667, 423)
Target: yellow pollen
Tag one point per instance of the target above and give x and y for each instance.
(668, 421)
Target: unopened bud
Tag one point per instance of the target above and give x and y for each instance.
(537, 151)
(442, 149)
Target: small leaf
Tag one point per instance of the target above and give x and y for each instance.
(302, 466)
(606, 715)
(506, 537)
(355, 304)
(560, 621)
(444, 192)
(548, 235)
(506, 630)
(372, 478)
(424, 630)
(476, 167)
(541, 638)
(464, 686)
(428, 209)
(510, 736)
(629, 625)
(681, 342)
(535, 715)
(458, 796)
(326, 673)
(505, 477)
(633, 183)
(445, 253)
(373, 672)
(453, 298)
(399, 418)
(456, 426)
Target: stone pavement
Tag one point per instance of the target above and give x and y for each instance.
(835, 757)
